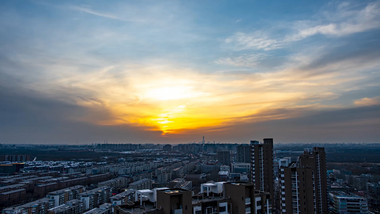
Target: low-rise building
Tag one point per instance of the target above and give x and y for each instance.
(343, 202)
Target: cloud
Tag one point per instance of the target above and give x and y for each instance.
(256, 41)
(340, 21)
(154, 76)
(350, 57)
(306, 125)
(29, 118)
(345, 21)
(246, 60)
(131, 98)
(365, 101)
(95, 13)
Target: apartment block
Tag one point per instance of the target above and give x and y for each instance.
(262, 165)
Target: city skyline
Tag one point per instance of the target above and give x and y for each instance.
(174, 71)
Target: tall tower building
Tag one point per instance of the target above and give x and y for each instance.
(262, 165)
(243, 153)
(316, 161)
(304, 184)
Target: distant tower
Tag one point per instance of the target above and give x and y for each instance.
(203, 144)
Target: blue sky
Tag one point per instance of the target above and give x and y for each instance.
(173, 71)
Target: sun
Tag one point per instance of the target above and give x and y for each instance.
(170, 106)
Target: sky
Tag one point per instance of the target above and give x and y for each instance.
(81, 72)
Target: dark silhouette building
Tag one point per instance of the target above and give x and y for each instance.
(15, 158)
(167, 147)
(224, 157)
(243, 153)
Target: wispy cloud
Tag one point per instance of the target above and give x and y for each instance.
(339, 21)
(342, 21)
(95, 13)
(128, 16)
(256, 40)
(246, 60)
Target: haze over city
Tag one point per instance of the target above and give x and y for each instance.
(79, 72)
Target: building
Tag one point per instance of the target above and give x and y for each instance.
(315, 159)
(262, 165)
(15, 158)
(374, 199)
(105, 208)
(116, 183)
(244, 198)
(174, 201)
(347, 203)
(73, 207)
(241, 168)
(10, 168)
(95, 197)
(212, 205)
(167, 147)
(297, 192)
(303, 183)
(39, 206)
(62, 196)
(181, 183)
(144, 183)
(243, 153)
(215, 188)
(224, 157)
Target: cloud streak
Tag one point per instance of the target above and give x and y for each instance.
(341, 21)
(95, 13)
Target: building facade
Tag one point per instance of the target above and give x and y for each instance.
(304, 183)
(243, 153)
(262, 165)
(347, 203)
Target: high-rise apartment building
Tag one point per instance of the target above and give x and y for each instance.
(243, 154)
(315, 159)
(297, 192)
(262, 165)
(304, 184)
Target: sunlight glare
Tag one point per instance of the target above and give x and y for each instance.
(171, 93)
